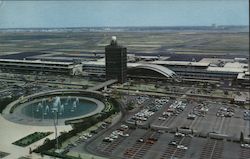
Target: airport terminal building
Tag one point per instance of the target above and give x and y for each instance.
(208, 69)
(37, 66)
(214, 70)
(117, 64)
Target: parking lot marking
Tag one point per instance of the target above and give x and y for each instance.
(221, 124)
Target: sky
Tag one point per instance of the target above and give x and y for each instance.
(108, 13)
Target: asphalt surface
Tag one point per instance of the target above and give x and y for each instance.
(197, 147)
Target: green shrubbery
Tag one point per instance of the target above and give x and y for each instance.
(27, 140)
(5, 101)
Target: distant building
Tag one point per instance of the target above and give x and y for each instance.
(116, 61)
(36, 66)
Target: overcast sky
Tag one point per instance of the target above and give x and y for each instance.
(26, 14)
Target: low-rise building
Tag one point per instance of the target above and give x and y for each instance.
(11, 65)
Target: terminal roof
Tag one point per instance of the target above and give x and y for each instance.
(183, 63)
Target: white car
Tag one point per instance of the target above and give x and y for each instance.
(124, 126)
(107, 139)
(161, 118)
(125, 135)
(113, 136)
(87, 135)
(182, 147)
(245, 145)
(179, 134)
(115, 132)
(83, 137)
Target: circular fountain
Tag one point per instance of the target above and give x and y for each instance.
(43, 111)
(64, 107)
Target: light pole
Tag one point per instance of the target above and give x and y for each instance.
(55, 110)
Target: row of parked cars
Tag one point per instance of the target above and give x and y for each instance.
(80, 139)
(85, 136)
(199, 110)
(174, 109)
(141, 99)
(142, 115)
(149, 109)
(225, 112)
(150, 139)
(177, 143)
(117, 133)
(157, 104)
(161, 101)
(245, 146)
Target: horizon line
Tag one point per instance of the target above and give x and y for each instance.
(125, 27)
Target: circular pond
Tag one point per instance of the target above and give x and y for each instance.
(44, 111)
(59, 107)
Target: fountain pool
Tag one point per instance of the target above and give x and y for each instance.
(64, 107)
(43, 111)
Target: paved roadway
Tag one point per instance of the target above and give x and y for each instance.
(102, 85)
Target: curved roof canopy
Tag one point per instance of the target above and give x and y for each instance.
(158, 68)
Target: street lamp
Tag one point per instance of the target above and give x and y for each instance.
(55, 111)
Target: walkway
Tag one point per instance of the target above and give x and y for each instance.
(11, 132)
(102, 85)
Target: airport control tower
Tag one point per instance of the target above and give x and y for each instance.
(116, 61)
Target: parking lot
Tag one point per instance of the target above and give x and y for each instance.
(178, 128)
(215, 118)
(148, 144)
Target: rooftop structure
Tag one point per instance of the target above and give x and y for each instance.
(215, 60)
(181, 63)
(243, 78)
(230, 67)
(157, 68)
